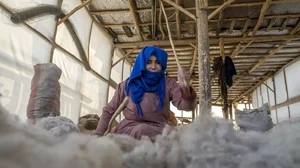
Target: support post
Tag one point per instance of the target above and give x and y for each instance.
(203, 58)
(230, 111)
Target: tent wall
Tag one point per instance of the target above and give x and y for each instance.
(281, 92)
(23, 46)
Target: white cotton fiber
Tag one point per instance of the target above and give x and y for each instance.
(23, 146)
(58, 126)
(206, 143)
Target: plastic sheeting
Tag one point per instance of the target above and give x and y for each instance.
(264, 94)
(45, 25)
(282, 113)
(295, 110)
(280, 88)
(94, 93)
(71, 83)
(21, 48)
(273, 116)
(82, 24)
(271, 92)
(254, 99)
(116, 71)
(259, 98)
(100, 52)
(126, 72)
(293, 80)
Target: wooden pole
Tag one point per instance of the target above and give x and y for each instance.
(181, 9)
(73, 11)
(219, 9)
(171, 41)
(230, 111)
(204, 60)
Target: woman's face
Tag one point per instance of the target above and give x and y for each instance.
(153, 64)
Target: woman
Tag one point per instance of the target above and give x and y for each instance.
(150, 93)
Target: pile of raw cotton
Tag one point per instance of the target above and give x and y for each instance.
(206, 143)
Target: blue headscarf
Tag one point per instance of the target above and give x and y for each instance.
(141, 80)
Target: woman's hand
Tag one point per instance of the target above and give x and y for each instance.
(183, 80)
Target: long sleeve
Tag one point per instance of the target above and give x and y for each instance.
(179, 99)
(110, 109)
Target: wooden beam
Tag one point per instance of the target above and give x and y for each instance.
(268, 56)
(181, 9)
(178, 20)
(132, 7)
(276, 50)
(238, 51)
(211, 40)
(270, 25)
(220, 8)
(73, 11)
(231, 27)
(221, 44)
(283, 25)
(119, 11)
(245, 28)
(220, 21)
(286, 89)
(194, 61)
(286, 103)
(160, 24)
(124, 57)
(263, 11)
(203, 58)
(211, 21)
(252, 4)
(252, 88)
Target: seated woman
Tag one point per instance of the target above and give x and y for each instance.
(150, 94)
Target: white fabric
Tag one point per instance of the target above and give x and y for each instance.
(280, 88)
(293, 80)
(21, 48)
(82, 25)
(116, 71)
(100, 52)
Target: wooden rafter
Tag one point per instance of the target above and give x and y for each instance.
(263, 11)
(181, 9)
(238, 50)
(245, 28)
(132, 7)
(220, 8)
(100, 12)
(194, 58)
(73, 11)
(252, 4)
(270, 25)
(124, 57)
(178, 27)
(269, 55)
(211, 40)
(252, 88)
(283, 25)
(220, 21)
(276, 50)
(231, 27)
(212, 21)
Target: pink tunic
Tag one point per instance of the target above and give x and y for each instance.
(152, 122)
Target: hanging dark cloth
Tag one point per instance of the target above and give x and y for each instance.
(230, 70)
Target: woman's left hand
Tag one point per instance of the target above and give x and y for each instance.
(183, 80)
